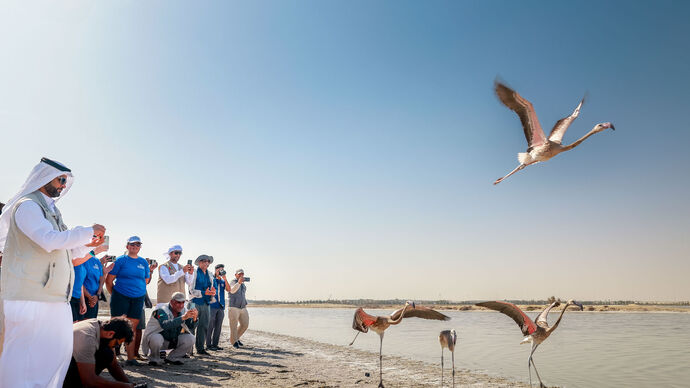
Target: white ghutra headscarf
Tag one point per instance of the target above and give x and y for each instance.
(44, 172)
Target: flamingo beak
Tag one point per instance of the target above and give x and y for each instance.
(578, 305)
(612, 127)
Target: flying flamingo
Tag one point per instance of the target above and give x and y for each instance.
(448, 338)
(535, 333)
(362, 322)
(540, 149)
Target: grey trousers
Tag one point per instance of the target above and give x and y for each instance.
(215, 324)
(157, 343)
(202, 326)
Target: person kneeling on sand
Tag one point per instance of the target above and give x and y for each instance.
(93, 351)
(169, 328)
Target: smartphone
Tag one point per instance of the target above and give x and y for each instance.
(106, 242)
(109, 259)
(189, 262)
(246, 279)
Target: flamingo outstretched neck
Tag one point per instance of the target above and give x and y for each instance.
(539, 147)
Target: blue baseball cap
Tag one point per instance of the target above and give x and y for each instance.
(134, 239)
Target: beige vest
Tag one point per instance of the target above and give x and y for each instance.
(165, 290)
(28, 271)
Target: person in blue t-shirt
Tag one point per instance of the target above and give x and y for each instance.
(77, 302)
(126, 283)
(215, 321)
(93, 285)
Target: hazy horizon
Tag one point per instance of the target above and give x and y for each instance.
(347, 150)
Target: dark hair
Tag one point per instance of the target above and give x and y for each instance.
(1, 206)
(121, 326)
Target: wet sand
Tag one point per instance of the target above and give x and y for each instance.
(274, 360)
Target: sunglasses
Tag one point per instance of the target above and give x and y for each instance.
(176, 252)
(62, 180)
(135, 244)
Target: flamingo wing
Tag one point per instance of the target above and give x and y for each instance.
(525, 111)
(365, 318)
(419, 312)
(562, 125)
(526, 325)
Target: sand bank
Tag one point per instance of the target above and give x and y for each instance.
(273, 360)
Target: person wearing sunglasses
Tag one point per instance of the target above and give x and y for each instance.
(126, 283)
(39, 252)
(172, 276)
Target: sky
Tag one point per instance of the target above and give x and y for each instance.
(347, 149)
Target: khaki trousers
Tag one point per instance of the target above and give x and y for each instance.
(237, 317)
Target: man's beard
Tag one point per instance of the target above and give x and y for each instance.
(52, 191)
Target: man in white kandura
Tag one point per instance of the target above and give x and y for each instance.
(37, 279)
(172, 276)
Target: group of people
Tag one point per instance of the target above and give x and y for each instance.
(51, 282)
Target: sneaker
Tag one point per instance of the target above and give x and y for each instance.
(163, 354)
(154, 363)
(202, 352)
(132, 362)
(212, 347)
(173, 362)
(236, 345)
(240, 343)
(219, 348)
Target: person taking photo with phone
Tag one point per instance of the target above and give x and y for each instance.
(215, 322)
(37, 279)
(203, 294)
(237, 311)
(126, 283)
(172, 276)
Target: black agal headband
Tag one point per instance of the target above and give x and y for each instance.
(55, 164)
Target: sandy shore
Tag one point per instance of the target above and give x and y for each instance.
(273, 360)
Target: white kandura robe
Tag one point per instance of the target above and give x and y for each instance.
(38, 338)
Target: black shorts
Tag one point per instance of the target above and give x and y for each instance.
(123, 305)
(74, 305)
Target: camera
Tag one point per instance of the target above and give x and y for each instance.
(150, 261)
(109, 259)
(246, 278)
(222, 272)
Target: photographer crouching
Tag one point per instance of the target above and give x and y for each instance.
(237, 313)
(170, 327)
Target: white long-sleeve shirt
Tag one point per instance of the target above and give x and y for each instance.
(170, 279)
(31, 221)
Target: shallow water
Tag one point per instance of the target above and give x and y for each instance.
(588, 349)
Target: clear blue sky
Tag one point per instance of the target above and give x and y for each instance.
(347, 149)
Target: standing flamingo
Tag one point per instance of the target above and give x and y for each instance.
(363, 321)
(540, 149)
(536, 334)
(448, 338)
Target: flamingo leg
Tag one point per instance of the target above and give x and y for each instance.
(530, 364)
(535, 371)
(518, 168)
(441, 366)
(452, 355)
(381, 361)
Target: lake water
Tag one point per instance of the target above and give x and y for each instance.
(588, 349)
